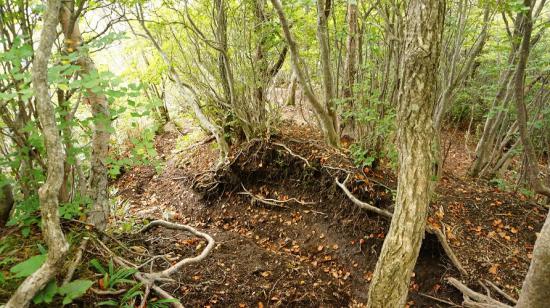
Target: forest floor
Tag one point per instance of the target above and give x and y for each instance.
(288, 236)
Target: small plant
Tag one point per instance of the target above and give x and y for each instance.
(498, 183)
(112, 276)
(361, 157)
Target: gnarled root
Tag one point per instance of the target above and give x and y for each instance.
(440, 236)
(149, 279)
(474, 299)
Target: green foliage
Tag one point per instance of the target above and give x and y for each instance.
(25, 214)
(127, 299)
(112, 276)
(29, 266)
(361, 156)
(70, 291)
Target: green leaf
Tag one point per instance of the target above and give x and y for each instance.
(26, 268)
(74, 289)
(97, 265)
(46, 295)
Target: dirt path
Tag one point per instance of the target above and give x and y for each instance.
(319, 251)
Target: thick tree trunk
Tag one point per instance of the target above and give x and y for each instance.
(98, 188)
(531, 163)
(415, 136)
(535, 292)
(6, 201)
(49, 191)
(327, 123)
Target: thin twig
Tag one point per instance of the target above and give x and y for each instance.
(439, 299)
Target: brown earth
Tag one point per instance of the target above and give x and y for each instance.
(319, 249)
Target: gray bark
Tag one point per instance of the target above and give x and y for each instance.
(98, 182)
(531, 162)
(194, 104)
(535, 292)
(323, 11)
(327, 123)
(415, 140)
(49, 191)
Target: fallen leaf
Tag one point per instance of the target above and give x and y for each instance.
(493, 269)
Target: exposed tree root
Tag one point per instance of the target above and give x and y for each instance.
(447, 248)
(269, 201)
(292, 153)
(474, 299)
(149, 280)
(501, 292)
(430, 229)
(360, 203)
(76, 261)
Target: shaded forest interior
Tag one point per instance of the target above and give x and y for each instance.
(256, 153)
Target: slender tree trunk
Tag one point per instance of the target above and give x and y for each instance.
(326, 121)
(415, 139)
(350, 65)
(323, 11)
(204, 121)
(531, 166)
(49, 191)
(98, 188)
(291, 91)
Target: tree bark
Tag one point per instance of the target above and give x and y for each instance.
(204, 121)
(323, 11)
(531, 163)
(6, 201)
(327, 123)
(49, 191)
(535, 292)
(98, 188)
(350, 65)
(415, 140)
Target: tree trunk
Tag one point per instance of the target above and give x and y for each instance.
(327, 123)
(531, 165)
(535, 292)
(415, 139)
(6, 201)
(98, 189)
(49, 191)
(204, 121)
(323, 11)
(350, 65)
(291, 91)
